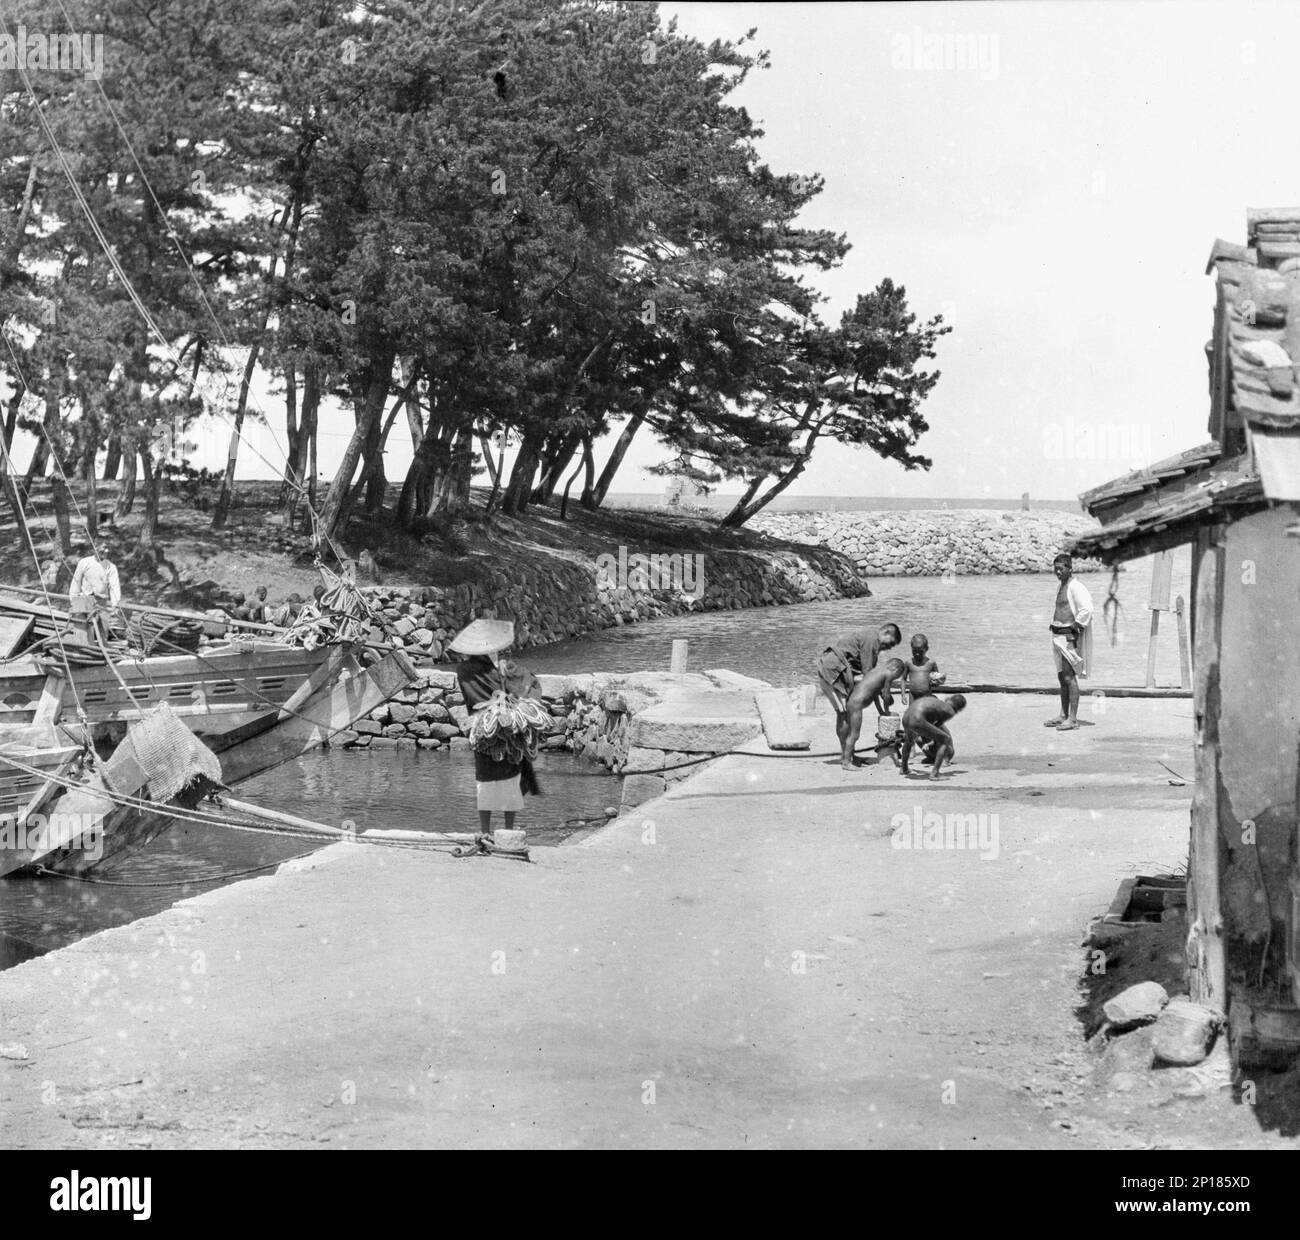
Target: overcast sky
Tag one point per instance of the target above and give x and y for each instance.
(1055, 196)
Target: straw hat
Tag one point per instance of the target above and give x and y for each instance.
(484, 637)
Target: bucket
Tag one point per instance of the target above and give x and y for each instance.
(890, 727)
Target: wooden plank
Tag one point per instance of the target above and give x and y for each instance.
(1184, 658)
(13, 632)
(780, 724)
(1206, 954)
(336, 704)
(49, 788)
(1162, 573)
(1151, 649)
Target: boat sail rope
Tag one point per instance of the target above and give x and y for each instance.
(182, 814)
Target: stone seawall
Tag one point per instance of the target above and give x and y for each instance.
(634, 724)
(567, 598)
(933, 543)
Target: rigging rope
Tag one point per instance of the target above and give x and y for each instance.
(1112, 607)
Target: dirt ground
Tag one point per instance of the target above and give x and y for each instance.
(750, 961)
(256, 549)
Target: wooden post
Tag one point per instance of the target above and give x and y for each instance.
(678, 663)
(1184, 659)
(1206, 960)
(1151, 650)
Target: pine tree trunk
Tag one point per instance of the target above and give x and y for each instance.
(148, 542)
(293, 434)
(555, 466)
(11, 417)
(616, 455)
(739, 509)
(113, 457)
(302, 469)
(748, 506)
(370, 390)
(515, 501)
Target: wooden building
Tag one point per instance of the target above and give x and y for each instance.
(1236, 500)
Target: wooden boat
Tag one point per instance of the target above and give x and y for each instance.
(254, 702)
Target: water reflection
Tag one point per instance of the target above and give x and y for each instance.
(414, 791)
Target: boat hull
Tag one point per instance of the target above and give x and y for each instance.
(90, 829)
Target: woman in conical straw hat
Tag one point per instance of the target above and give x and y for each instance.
(499, 784)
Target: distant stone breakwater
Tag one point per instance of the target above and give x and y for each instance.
(935, 542)
(561, 599)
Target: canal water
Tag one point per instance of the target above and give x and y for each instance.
(980, 629)
(414, 791)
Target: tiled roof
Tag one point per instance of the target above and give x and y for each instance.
(1261, 293)
(1096, 501)
(1175, 514)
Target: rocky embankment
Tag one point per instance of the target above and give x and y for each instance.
(567, 598)
(634, 724)
(932, 543)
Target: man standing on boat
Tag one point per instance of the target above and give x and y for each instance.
(96, 579)
(1071, 629)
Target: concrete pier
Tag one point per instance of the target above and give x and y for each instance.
(751, 960)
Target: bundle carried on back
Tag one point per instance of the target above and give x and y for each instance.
(509, 728)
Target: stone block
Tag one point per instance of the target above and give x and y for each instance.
(637, 789)
(383, 742)
(1136, 1005)
(661, 731)
(1183, 1032)
(444, 731)
(399, 712)
(394, 729)
(438, 678)
(557, 688)
(368, 727)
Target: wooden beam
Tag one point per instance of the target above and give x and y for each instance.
(1206, 958)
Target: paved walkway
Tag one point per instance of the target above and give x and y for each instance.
(749, 961)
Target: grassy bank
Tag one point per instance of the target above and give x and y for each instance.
(256, 548)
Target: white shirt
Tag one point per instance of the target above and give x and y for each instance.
(1080, 602)
(1081, 605)
(95, 580)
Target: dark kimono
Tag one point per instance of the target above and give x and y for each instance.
(479, 679)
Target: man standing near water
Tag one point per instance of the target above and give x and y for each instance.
(1071, 629)
(840, 674)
